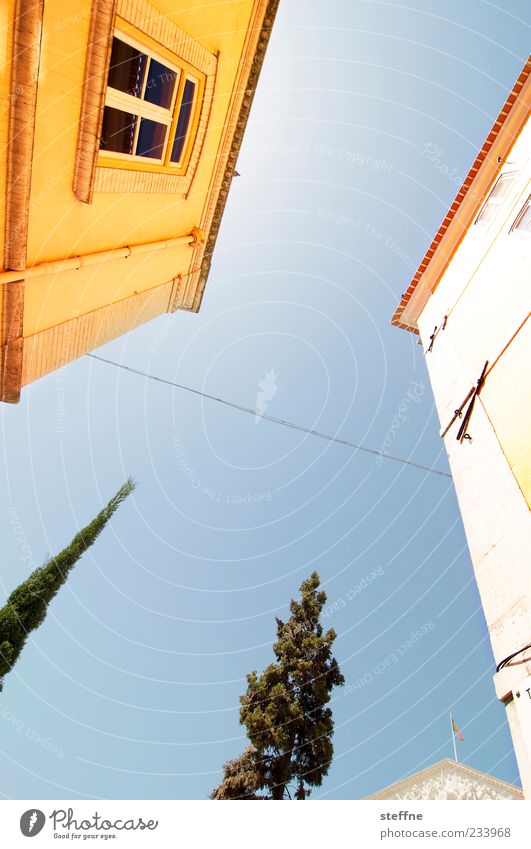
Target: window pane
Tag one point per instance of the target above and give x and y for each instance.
(118, 130)
(524, 222)
(151, 137)
(498, 193)
(487, 213)
(502, 186)
(128, 66)
(160, 84)
(183, 120)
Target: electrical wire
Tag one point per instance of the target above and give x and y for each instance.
(506, 661)
(273, 419)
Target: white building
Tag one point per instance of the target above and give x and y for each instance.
(469, 301)
(451, 781)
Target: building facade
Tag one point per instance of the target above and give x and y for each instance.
(469, 301)
(122, 121)
(450, 781)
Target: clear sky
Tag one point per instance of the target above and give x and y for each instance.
(135, 676)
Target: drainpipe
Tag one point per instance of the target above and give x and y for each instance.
(195, 238)
(12, 313)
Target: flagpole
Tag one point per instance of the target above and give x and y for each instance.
(453, 736)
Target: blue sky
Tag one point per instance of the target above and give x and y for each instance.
(135, 676)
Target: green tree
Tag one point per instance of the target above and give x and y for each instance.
(26, 607)
(285, 710)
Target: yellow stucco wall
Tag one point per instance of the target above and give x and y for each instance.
(72, 293)
(61, 226)
(70, 227)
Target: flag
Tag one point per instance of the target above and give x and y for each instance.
(456, 730)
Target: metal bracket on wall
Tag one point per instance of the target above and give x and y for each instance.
(435, 333)
(462, 433)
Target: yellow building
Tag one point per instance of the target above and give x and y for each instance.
(469, 301)
(121, 125)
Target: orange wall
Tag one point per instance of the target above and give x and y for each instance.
(61, 226)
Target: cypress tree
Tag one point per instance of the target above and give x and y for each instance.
(285, 710)
(27, 605)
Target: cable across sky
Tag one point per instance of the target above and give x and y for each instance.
(272, 419)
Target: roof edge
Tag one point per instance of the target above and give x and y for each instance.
(470, 770)
(399, 319)
(203, 259)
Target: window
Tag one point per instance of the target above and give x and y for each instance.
(522, 222)
(496, 198)
(157, 85)
(151, 104)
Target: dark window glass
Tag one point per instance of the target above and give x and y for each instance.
(151, 138)
(160, 84)
(128, 66)
(118, 130)
(183, 120)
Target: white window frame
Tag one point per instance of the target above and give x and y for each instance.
(496, 201)
(196, 82)
(515, 228)
(124, 102)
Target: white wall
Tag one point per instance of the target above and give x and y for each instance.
(486, 294)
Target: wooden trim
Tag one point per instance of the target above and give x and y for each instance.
(93, 97)
(24, 82)
(200, 134)
(12, 341)
(467, 196)
(253, 55)
(160, 28)
(27, 33)
(56, 346)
